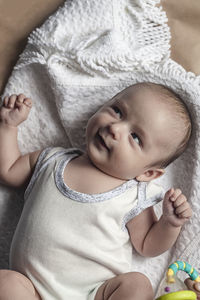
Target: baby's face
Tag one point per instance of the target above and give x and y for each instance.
(129, 133)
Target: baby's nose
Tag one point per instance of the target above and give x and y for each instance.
(117, 130)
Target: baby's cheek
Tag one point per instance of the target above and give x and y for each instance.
(95, 119)
(89, 126)
(124, 167)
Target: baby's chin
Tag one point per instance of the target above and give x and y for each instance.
(105, 167)
(110, 172)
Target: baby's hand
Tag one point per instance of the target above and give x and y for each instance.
(176, 209)
(193, 286)
(15, 110)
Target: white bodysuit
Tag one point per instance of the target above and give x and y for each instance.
(68, 243)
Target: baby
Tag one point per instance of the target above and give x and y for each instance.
(84, 211)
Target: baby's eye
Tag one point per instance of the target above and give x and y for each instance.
(136, 138)
(117, 111)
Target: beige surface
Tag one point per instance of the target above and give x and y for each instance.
(19, 17)
(184, 21)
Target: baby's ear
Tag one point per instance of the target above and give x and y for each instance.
(150, 175)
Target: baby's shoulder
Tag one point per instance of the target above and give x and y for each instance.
(52, 153)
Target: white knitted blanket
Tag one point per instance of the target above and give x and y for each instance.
(83, 55)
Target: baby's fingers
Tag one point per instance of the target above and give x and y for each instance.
(23, 103)
(11, 101)
(22, 99)
(7, 102)
(186, 214)
(184, 210)
(179, 200)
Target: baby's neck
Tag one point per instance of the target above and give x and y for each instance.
(83, 176)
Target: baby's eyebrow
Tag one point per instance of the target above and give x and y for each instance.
(146, 137)
(122, 103)
(141, 132)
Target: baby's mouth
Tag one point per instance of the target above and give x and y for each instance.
(101, 140)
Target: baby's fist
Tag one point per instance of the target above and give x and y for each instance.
(176, 209)
(15, 109)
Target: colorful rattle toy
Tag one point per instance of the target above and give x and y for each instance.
(172, 288)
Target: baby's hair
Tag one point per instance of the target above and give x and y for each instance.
(180, 110)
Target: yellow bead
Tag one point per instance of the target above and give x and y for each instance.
(170, 272)
(197, 279)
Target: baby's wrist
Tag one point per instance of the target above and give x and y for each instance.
(8, 126)
(166, 222)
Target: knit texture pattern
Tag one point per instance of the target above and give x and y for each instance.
(76, 61)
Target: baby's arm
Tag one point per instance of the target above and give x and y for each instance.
(15, 169)
(151, 237)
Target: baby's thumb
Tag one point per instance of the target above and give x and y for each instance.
(168, 194)
(167, 204)
(28, 102)
(22, 106)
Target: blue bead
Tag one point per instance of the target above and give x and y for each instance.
(173, 267)
(188, 268)
(180, 264)
(194, 275)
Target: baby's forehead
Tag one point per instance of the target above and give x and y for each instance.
(152, 93)
(136, 92)
(149, 104)
(129, 91)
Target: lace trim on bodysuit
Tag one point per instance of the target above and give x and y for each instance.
(42, 163)
(143, 203)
